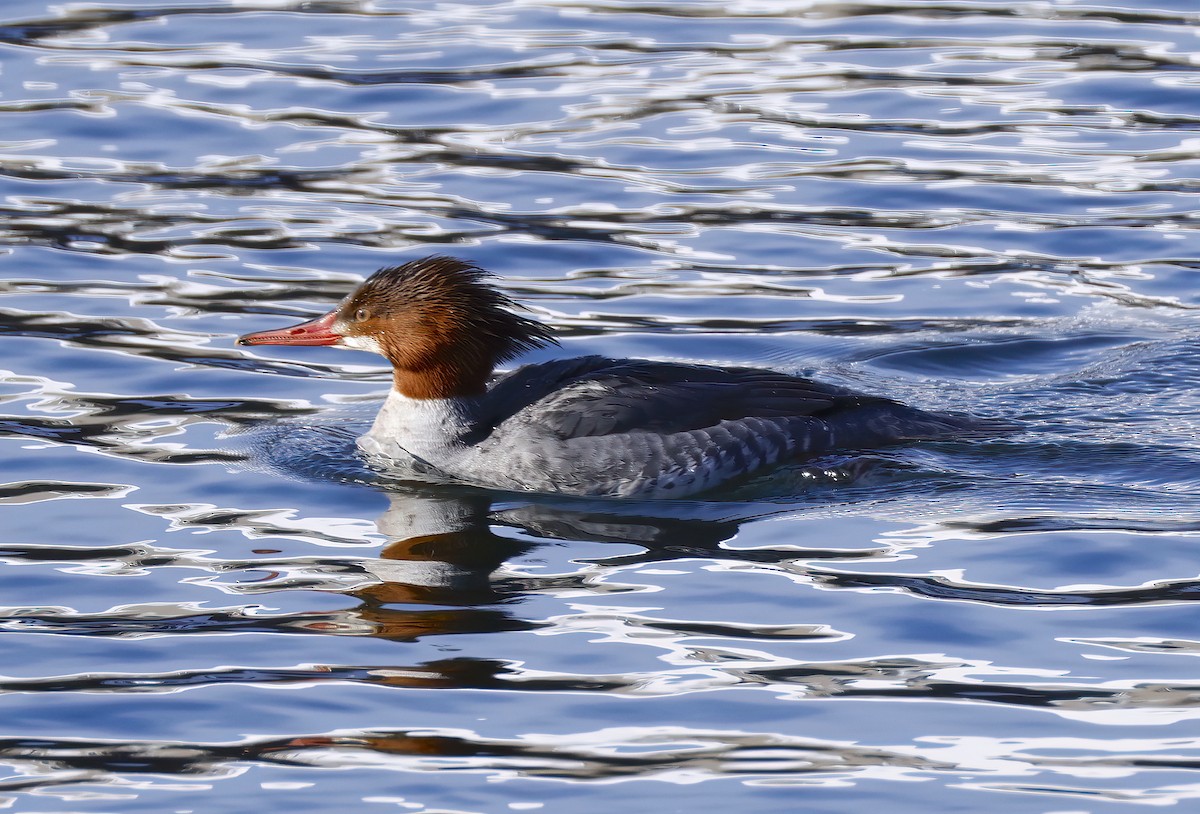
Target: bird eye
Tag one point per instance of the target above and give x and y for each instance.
(362, 315)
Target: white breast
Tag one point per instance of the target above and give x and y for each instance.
(426, 431)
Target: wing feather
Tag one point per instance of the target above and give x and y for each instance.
(594, 396)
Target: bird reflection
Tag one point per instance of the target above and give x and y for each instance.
(444, 547)
(441, 551)
(452, 547)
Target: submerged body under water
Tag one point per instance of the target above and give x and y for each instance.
(211, 603)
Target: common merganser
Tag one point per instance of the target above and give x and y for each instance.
(584, 426)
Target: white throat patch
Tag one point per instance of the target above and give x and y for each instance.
(358, 341)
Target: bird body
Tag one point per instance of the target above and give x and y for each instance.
(589, 425)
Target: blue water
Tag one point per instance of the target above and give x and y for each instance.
(979, 206)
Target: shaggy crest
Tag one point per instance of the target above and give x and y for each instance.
(457, 295)
(443, 318)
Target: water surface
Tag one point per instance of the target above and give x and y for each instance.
(979, 206)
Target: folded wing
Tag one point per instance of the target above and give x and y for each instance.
(595, 396)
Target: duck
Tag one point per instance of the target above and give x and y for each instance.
(589, 426)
